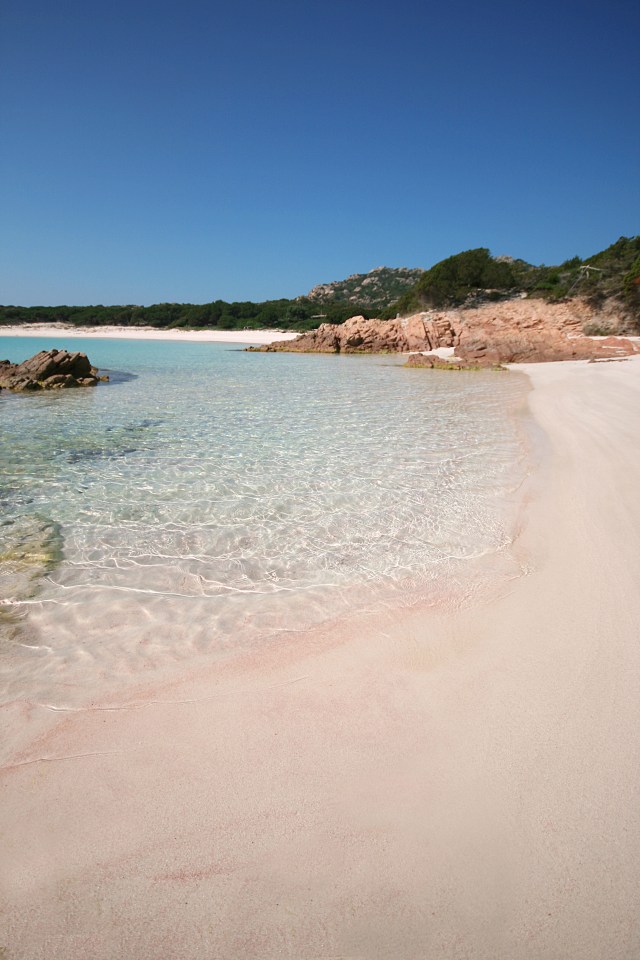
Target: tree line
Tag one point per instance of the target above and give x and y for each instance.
(461, 280)
(301, 314)
(474, 276)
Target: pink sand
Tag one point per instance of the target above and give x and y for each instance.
(459, 784)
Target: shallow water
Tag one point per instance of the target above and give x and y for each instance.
(213, 498)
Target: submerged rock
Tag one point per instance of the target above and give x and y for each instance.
(49, 370)
(30, 548)
(433, 362)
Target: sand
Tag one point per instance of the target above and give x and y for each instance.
(459, 783)
(257, 337)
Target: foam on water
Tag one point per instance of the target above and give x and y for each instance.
(216, 498)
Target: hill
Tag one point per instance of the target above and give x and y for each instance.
(609, 280)
(377, 289)
(474, 277)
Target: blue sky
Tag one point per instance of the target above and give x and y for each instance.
(193, 151)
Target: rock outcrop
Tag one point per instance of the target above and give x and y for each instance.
(533, 331)
(49, 370)
(375, 290)
(515, 331)
(357, 335)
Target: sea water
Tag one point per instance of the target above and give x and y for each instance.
(206, 501)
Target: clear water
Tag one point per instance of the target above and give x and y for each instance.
(215, 498)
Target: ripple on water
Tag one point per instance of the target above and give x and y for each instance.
(267, 492)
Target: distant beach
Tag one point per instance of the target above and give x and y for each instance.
(258, 337)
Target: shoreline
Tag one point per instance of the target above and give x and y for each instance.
(257, 337)
(454, 783)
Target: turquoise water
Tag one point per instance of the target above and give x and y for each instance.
(211, 499)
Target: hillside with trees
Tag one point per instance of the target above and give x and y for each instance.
(301, 314)
(377, 290)
(474, 277)
(467, 279)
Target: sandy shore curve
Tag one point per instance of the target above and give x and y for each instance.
(252, 337)
(459, 784)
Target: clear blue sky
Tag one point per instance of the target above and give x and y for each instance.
(191, 151)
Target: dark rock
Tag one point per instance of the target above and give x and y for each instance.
(433, 362)
(49, 370)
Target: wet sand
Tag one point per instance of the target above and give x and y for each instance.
(459, 783)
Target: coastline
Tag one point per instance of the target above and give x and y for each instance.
(453, 783)
(257, 337)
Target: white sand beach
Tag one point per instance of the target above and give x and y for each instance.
(257, 337)
(460, 783)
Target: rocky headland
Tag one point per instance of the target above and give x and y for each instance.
(513, 331)
(375, 290)
(49, 370)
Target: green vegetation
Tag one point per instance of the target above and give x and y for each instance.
(366, 294)
(375, 290)
(617, 275)
(475, 276)
(453, 280)
(301, 314)
(466, 279)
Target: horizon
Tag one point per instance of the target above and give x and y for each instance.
(276, 298)
(156, 155)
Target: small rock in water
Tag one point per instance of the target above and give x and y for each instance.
(49, 370)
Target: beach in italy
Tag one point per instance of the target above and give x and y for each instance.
(274, 686)
(145, 333)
